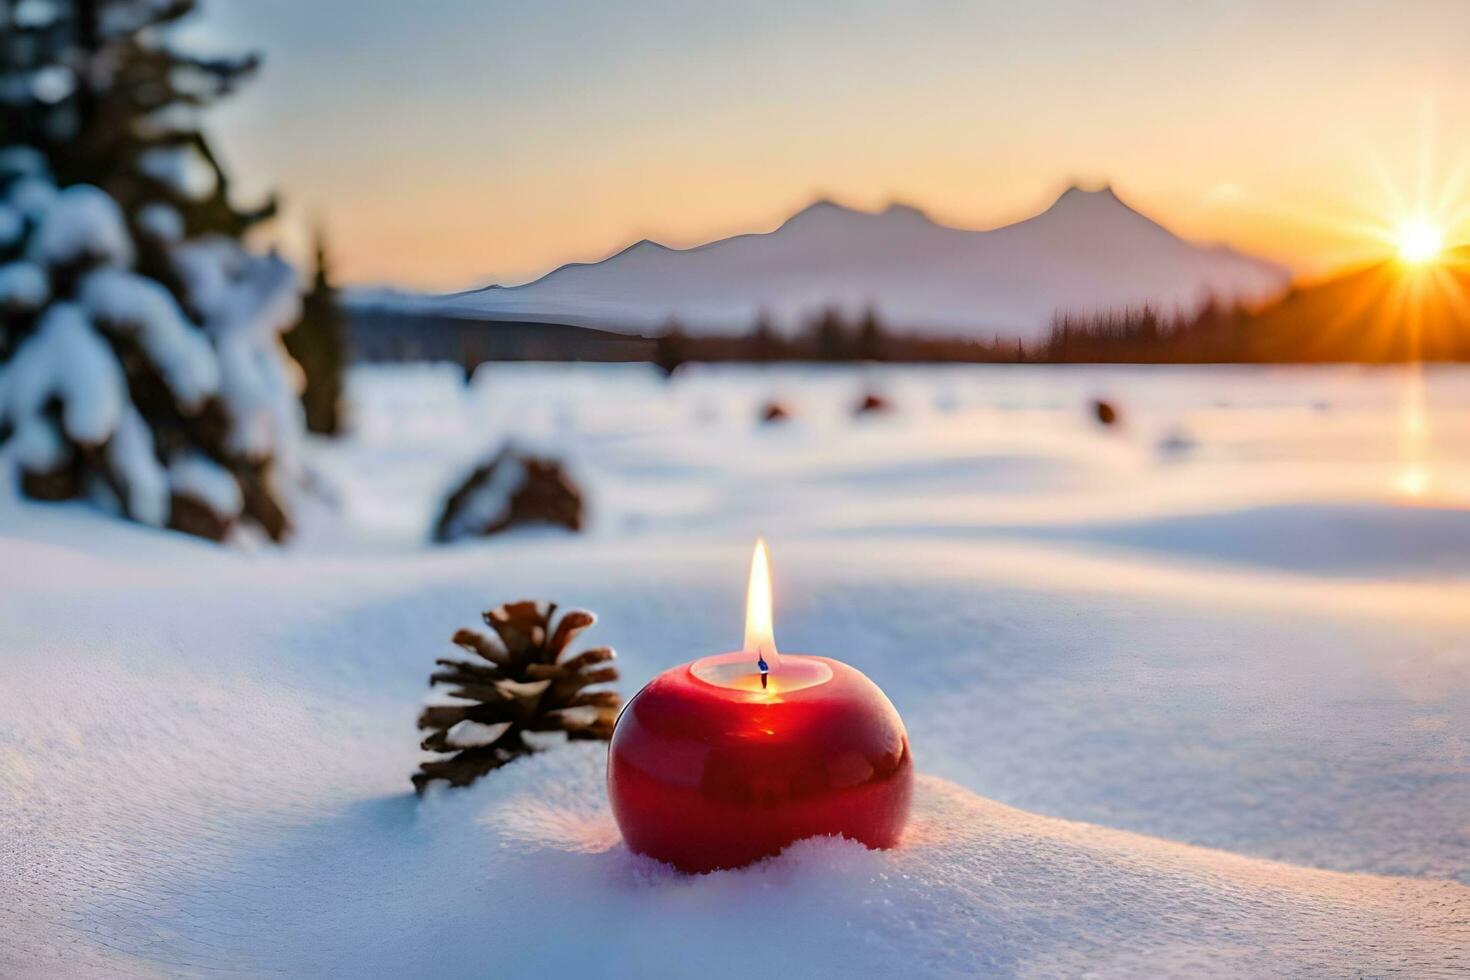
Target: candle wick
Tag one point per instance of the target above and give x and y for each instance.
(765, 668)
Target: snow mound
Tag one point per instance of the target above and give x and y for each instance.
(204, 752)
(1334, 539)
(976, 889)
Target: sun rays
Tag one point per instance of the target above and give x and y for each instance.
(1409, 301)
(1419, 241)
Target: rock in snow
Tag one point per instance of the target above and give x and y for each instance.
(1086, 253)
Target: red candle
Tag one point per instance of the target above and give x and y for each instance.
(727, 760)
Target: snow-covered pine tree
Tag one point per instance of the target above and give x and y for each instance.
(142, 362)
(319, 345)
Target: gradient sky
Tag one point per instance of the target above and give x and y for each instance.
(449, 143)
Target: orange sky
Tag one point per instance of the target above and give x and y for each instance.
(491, 142)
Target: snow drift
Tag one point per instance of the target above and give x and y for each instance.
(1212, 758)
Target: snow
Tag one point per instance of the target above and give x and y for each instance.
(22, 161)
(179, 168)
(36, 444)
(1155, 736)
(131, 454)
(12, 225)
(64, 360)
(197, 476)
(246, 302)
(32, 196)
(34, 14)
(162, 221)
(143, 309)
(81, 224)
(469, 734)
(126, 16)
(52, 84)
(23, 286)
(81, 241)
(1088, 252)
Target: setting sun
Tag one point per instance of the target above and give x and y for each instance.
(1419, 241)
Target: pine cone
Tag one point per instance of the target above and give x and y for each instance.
(519, 685)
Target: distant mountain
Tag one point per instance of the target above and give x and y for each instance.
(1383, 312)
(1087, 252)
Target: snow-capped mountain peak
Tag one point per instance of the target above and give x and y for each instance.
(1088, 251)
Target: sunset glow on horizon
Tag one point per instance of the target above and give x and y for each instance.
(492, 143)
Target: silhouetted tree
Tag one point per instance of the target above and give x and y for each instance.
(670, 349)
(830, 337)
(870, 340)
(764, 344)
(319, 345)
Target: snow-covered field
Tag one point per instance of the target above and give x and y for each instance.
(1189, 696)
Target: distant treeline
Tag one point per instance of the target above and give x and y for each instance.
(1375, 314)
(1371, 316)
(1134, 335)
(1216, 333)
(829, 337)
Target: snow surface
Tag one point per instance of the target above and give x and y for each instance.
(1088, 252)
(1195, 711)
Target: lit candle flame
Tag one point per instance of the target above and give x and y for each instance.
(760, 634)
